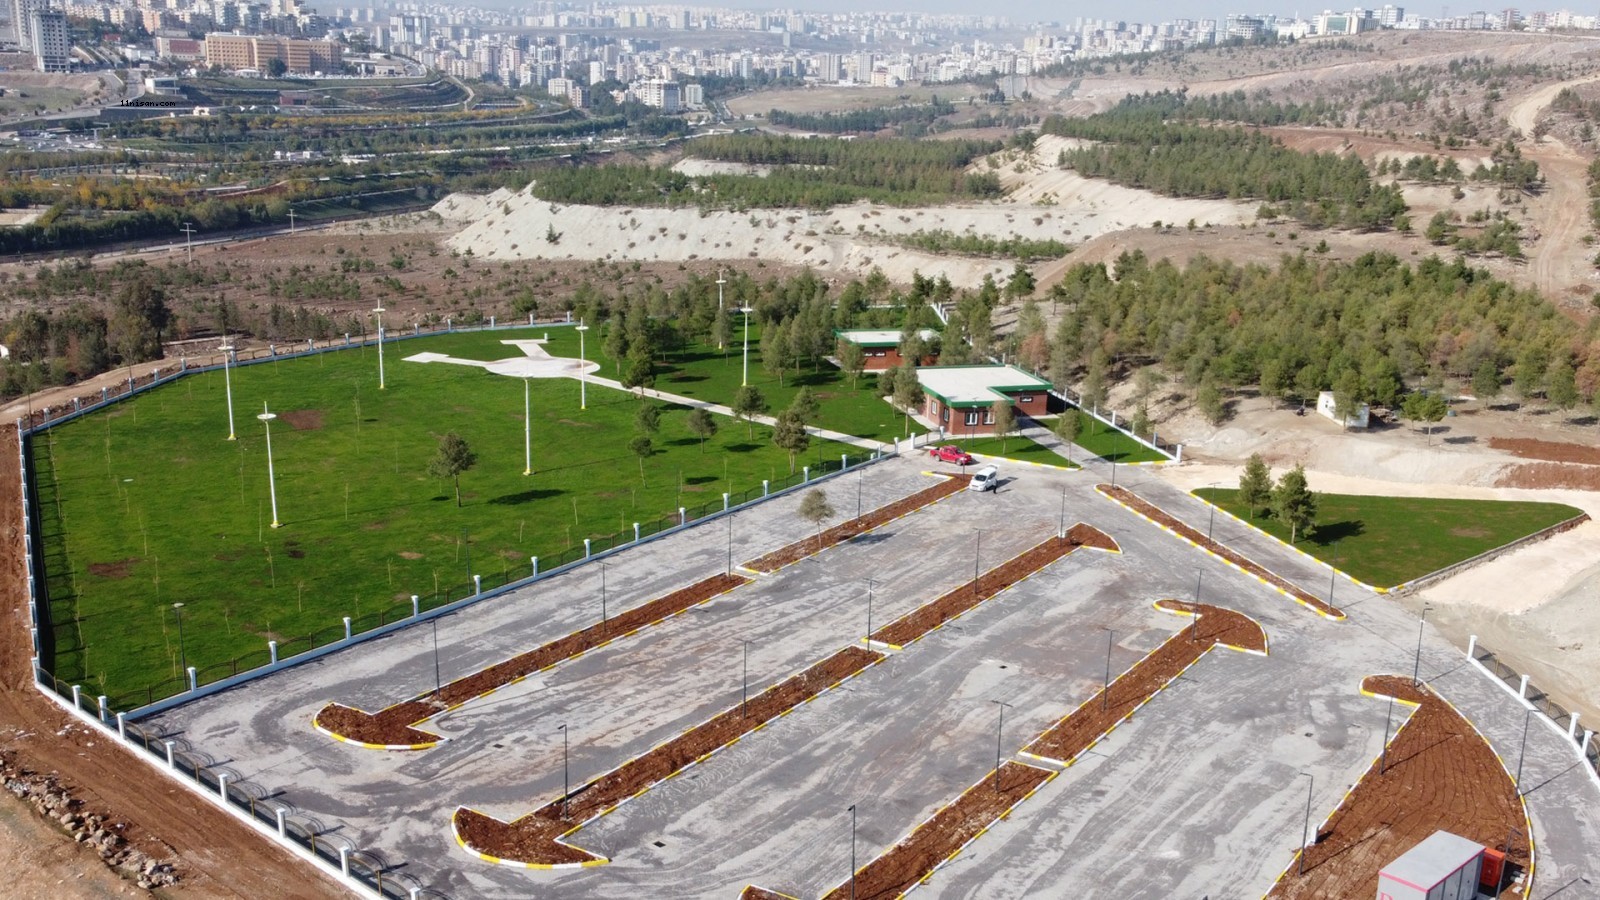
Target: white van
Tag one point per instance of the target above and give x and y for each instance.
(985, 479)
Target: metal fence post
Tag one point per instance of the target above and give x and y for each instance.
(283, 826)
(122, 726)
(683, 516)
(1472, 646)
(272, 648)
(347, 628)
(805, 474)
(344, 860)
(535, 560)
(76, 692)
(766, 487)
(102, 700)
(1522, 689)
(222, 785)
(724, 499)
(416, 606)
(1583, 749)
(171, 764)
(477, 584)
(1572, 727)
(636, 532)
(194, 683)
(585, 548)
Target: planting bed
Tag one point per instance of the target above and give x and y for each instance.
(1157, 515)
(392, 728)
(844, 531)
(533, 838)
(1442, 775)
(1090, 722)
(917, 623)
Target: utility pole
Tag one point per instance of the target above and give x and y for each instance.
(720, 282)
(999, 735)
(188, 240)
(291, 222)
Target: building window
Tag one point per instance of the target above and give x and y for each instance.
(1025, 398)
(944, 414)
(877, 353)
(972, 418)
(988, 417)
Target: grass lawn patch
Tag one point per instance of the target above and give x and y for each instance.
(1015, 447)
(147, 503)
(1385, 541)
(705, 373)
(1108, 443)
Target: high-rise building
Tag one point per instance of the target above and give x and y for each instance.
(51, 47)
(22, 20)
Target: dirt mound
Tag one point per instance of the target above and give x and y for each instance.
(1567, 476)
(1553, 451)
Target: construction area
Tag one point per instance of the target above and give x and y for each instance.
(921, 697)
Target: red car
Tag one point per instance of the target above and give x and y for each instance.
(950, 453)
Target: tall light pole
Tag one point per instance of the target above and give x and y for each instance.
(227, 380)
(745, 380)
(1383, 761)
(1524, 748)
(730, 546)
(999, 735)
(583, 369)
(1213, 520)
(527, 431)
(603, 616)
(378, 311)
(183, 656)
(869, 612)
(744, 703)
(1305, 830)
(852, 851)
(272, 479)
(1105, 686)
(1416, 668)
(565, 790)
(720, 282)
(438, 682)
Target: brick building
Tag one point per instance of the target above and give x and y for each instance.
(960, 399)
(882, 348)
(248, 51)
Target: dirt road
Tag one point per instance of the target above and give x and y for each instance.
(216, 855)
(1560, 261)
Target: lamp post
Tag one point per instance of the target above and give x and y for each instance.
(744, 703)
(527, 431)
(720, 282)
(745, 379)
(1194, 626)
(730, 546)
(861, 477)
(438, 682)
(565, 790)
(852, 851)
(227, 381)
(999, 735)
(869, 612)
(1213, 520)
(1416, 668)
(1526, 717)
(266, 418)
(603, 615)
(1383, 759)
(378, 311)
(183, 656)
(1105, 686)
(1333, 572)
(583, 369)
(1305, 830)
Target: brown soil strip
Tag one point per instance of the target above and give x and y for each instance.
(1098, 715)
(393, 726)
(1156, 514)
(940, 837)
(1553, 451)
(217, 855)
(917, 623)
(303, 419)
(751, 892)
(118, 569)
(844, 531)
(1550, 476)
(532, 838)
(1442, 775)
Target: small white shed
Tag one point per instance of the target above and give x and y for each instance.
(1325, 407)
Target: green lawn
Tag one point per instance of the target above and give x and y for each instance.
(148, 504)
(705, 373)
(1015, 447)
(1104, 441)
(1385, 541)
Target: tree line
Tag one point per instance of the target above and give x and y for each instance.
(1136, 145)
(1013, 247)
(891, 172)
(859, 121)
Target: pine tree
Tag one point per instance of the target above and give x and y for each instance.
(1294, 503)
(1255, 485)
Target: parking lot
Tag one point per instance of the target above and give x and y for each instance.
(1199, 794)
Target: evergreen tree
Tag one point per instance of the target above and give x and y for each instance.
(451, 459)
(747, 404)
(1255, 485)
(1294, 503)
(703, 425)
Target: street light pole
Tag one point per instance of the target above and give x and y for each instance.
(379, 312)
(861, 477)
(188, 240)
(583, 369)
(527, 431)
(438, 682)
(227, 381)
(999, 735)
(720, 282)
(852, 851)
(565, 782)
(1526, 717)
(869, 612)
(272, 479)
(730, 546)
(1105, 686)
(183, 656)
(1305, 830)
(744, 704)
(745, 380)
(1213, 520)
(603, 615)
(1383, 761)
(1416, 668)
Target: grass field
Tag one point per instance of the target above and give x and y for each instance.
(705, 373)
(148, 504)
(1104, 441)
(1385, 541)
